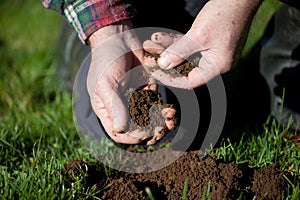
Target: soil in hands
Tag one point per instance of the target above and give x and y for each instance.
(145, 108)
(183, 69)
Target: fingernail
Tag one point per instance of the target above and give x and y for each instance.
(163, 62)
(155, 37)
(118, 127)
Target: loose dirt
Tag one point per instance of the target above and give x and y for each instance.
(145, 108)
(180, 70)
(206, 177)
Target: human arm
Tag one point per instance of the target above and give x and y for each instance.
(96, 30)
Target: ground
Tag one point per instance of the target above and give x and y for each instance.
(193, 175)
(205, 177)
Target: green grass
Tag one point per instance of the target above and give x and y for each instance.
(265, 149)
(259, 23)
(37, 133)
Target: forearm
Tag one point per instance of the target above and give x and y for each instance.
(89, 16)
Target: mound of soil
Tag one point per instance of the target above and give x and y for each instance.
(206, 177)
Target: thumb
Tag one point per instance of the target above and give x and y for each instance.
(119, 113)
(109, 106)
(177, 53)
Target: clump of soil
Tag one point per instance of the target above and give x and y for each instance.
(206, 177)
(145, 108)
(180, 70)
(140, 102)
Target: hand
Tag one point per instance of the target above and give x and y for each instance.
(219, 33)
(115, 50)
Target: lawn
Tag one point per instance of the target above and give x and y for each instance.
(37, 133)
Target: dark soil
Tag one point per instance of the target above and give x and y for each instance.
(222, 180)
(145, 110)
(181, 70)
(145, 105)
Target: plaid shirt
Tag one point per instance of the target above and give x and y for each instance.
(87, 16)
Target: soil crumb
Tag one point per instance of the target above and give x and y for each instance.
(206, 178)
(183, 69)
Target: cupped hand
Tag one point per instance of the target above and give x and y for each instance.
(115, 50)
(219, 33)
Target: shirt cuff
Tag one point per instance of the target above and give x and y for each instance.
(89, 16)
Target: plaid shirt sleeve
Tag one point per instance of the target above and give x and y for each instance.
(87, 16)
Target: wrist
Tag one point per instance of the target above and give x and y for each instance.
(99, 36)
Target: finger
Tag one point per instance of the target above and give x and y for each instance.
(115, 109)
(153, 47)
(168, 113)
(152, 86)
(195, 78)
(126, 138)
(159, 133)
(133, 137)
(138, 57)
(119, 113)
(149, 62)
(170, 124)
(103, 115)
(177, 53)
(165, 39)
(107, 123)
(151, 142)
(142, 135)
(169, 80)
